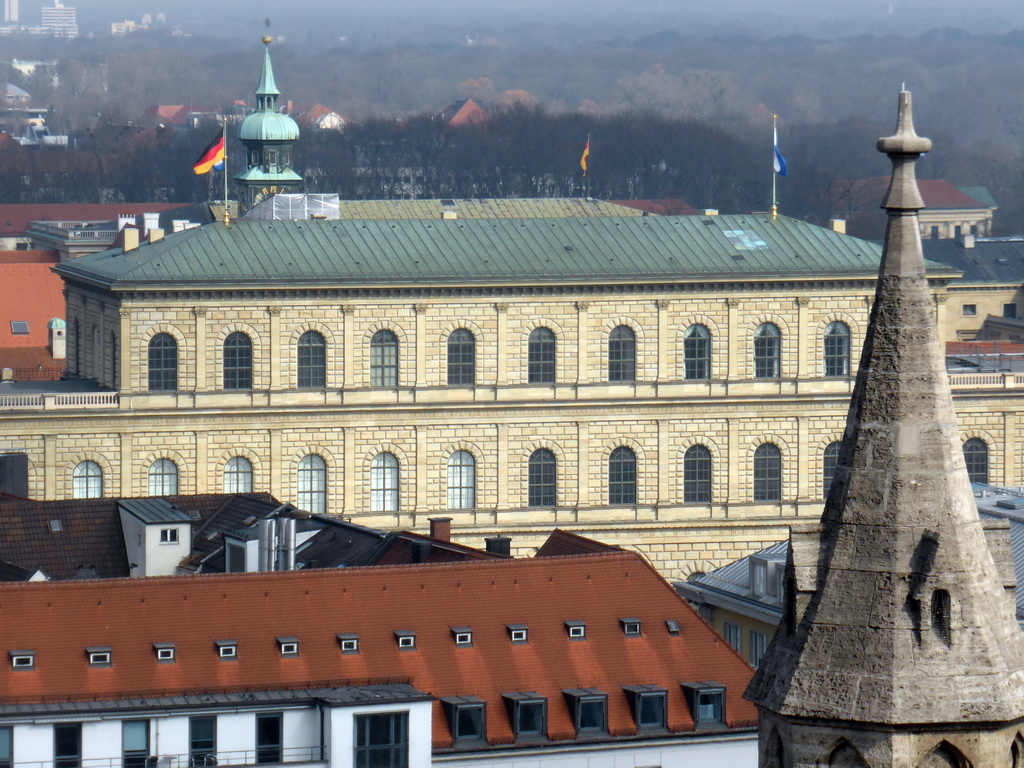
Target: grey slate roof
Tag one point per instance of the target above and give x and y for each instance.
(628, 248)
(991, 260)
(153, 511)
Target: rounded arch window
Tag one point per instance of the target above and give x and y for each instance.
(768, 473)
(312, 361)
(767, 351)
(622, 354)
(543, 479)
(540, 355)
(836, 349)
(87, 480)
(384, 483)
(238, 475)
(697, 475)
(163, 363)
(237, 361)
(829, 462)
(976, 459)
(697, 353)
(384, 359)
(622, 476)
(163, 478)
(461, 480)
(461, 358)
(312, 477)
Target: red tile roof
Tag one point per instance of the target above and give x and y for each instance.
(463, 112)
(32, 363)
(936, 193)
(29, 291)
(58, 620)
(560, 543)
(15, 219)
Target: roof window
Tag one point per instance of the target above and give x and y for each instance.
(55, 526)
(227, 650)
(23, 659)
(706, 701)
(466, 718)
(99, 656)
(672, 626)
(463, 636)
(577, 630)
(19, 327)
(289, 646)
(589, 708)
(164, 652)
(630, 627)
(518, 633)
(528, 714)
(648, 705)
(348, 642)
(406, 639)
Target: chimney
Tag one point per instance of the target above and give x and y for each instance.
(967, 241)
(499, 545)
(266, 544)
(286, 544)
(58, 341)
(421, 550)
(156, 234)
(123, 219)
(129, 238)
(441, 528)
(710, 211)
(150, 221)
(838, 225)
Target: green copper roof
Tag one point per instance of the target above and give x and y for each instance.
(258, 175)
(267, 86)
(482, 208)
(265, 125)
(483, 251)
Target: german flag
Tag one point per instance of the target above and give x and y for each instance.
(212, 156)
(583, 160)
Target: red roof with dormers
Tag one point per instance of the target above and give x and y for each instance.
(30, 292)
(58, 620)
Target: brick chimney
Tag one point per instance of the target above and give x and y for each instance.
(441, 528)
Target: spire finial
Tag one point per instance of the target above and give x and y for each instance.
(903, 149)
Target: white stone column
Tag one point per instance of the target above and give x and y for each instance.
(274, 347)
(502, 345)
(124, 353)
(202, 377)
(421, 345)
(803, 336)
(127, 466)
(582, 464)
(665, 472)
(733, 344)
(502, 466)
(582, 342)
(663, 343)
(348, 377)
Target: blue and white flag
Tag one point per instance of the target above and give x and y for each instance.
(780, 161)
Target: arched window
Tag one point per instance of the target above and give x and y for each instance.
(238, 475)
(767, 473)
(543, 479)
(976, 458)
(163, 363)
(461, 480)
(163, 478)
(845, 755)
(87, 481)
(384, 359)
(622, 354)
(836, 349)
(622, 476)
(829, 462)
(384, 483)
(767, 348)
(1017, 752)
(312, 362)
(540, 355)
(945, 756)
(942, 616)
(697, 353)
(697, 475)
(312, 495)
(461, 358)
(237, 361)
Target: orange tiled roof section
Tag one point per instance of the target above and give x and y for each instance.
(29, 291)
(57, 620)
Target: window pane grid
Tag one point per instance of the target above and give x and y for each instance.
(384, 359)
(87, 481)
(766, 352)
(237, 361)
(542, 479)
(697, 353)
(312, 495)
(697, 475)
(163, 478)
(462, 481)
(622, 354)
(461, 358)
(976, 458)
(384, 483)
(541, 357)
(837, 350)
(238, 475)
(622, 476)
(163, 363)
(767, 473)
(830, 460)
(382, 741)
(312, 362)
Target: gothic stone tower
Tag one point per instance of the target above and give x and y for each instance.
(268, 136)
(899, 647)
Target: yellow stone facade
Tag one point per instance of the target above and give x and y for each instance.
(501, 420)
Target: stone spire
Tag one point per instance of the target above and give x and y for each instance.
(899, 642)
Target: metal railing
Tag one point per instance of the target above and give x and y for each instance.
(1004, 380)
(247, 757)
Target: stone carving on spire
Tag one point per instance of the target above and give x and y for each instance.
(899, 637)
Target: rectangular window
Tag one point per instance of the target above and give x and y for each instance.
(348, 643)
(734, 636)
(268, 738)
(6, 746)
(968, 310)
(99, 657)
(67, 745)
(19, 327)
(235, 554)
(382, 741)
(647, 703)
(135, 741)
(168, 535)
(577, 630)
(202, 742)
(527, 714)
(1010, 310)
(758, 644)
(589, 710)
(519, 635)
(934, 233)
(957, 230)
(706, 702)
(23, 659)
(465, 717)
(164, 652)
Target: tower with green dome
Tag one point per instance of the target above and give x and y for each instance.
(268, 136)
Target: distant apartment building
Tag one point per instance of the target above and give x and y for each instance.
(10, 11)
(60, 20)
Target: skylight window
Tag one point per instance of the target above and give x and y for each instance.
(577, 630)
(630, 627)
(518, 633)
(289, 646)
(19, 327)
(99, 656)
(349, 643)
(406, 640)
(227, 650)
(164, 652)
(23, 659)
(463, 636)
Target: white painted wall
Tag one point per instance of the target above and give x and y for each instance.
(341, 730)
(142, 546)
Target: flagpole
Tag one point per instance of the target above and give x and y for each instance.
(224, 135)
(775, 205)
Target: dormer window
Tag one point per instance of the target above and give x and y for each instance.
(348, 643)
(518, 633)
(589, 709)
(706, 702)
(289, 646)
(463, 636)
(577, 630)
(168, 535)
(466, 719)
(23, 659)
(99, 656)
(227, 650)
(528, 713)
(630, 627)
(758, 577)
(164, 652)
(647, 703)
(406, 640)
